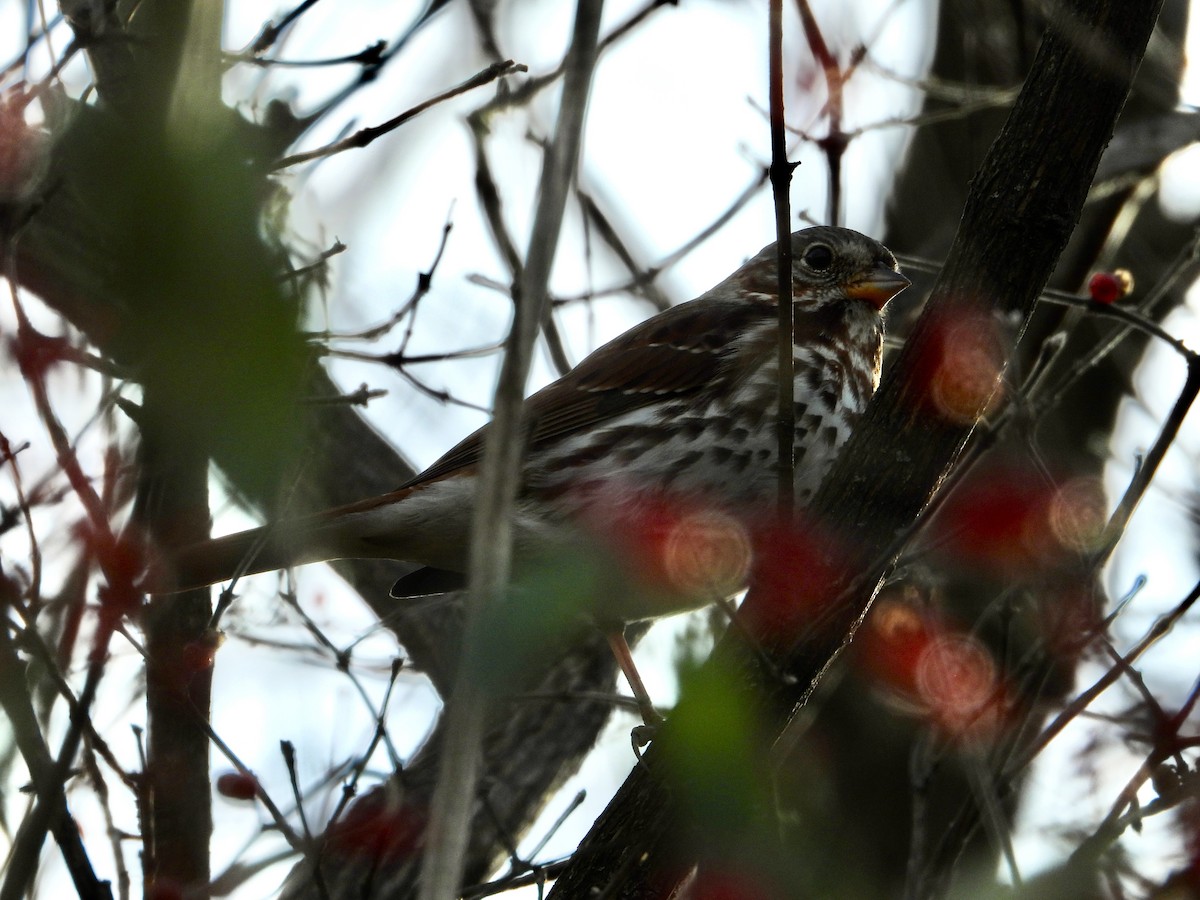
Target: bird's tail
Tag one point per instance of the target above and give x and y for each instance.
(370, 529)
(225, 558)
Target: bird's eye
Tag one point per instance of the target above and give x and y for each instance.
(818, 257)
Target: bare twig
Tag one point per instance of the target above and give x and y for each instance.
(369, 58)
(320, 264)
(1146, 471)
(366, 135)
(120, 598)
(781, 181)
(489, 195)
(49, 786)
(1161, 627)
(271, 31)
(835, 141)
(454, 797)
(674, 257)
(362, 396)
(396, 360)
(642, 279)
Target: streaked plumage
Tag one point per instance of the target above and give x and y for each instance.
(684, 402)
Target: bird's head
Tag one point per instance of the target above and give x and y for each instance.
(829, 265)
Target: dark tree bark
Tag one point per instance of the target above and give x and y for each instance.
(882, 764)
(1023, 205)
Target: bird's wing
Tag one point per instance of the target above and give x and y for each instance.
(676, 354)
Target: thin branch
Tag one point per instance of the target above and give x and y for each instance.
(643, 279)
(781, 180)
(675, 256)
(1133, 319)
(49, 787)
(320, 264)
(9, 456)
(489, 195)
(369, 57)
(362, 396)
(365, 136)
(454, 796)
(396, 360)
(1161, 627)
(1145, 472)
(271, 31)
(536, 84)
(835, 142)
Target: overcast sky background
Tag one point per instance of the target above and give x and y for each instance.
(675, 132)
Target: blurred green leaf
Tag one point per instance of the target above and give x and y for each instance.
(545, 607)
(202, 314)
(715, 757)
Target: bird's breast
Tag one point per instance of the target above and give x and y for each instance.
(721, 445)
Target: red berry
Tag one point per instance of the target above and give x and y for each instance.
(1108, 287)
(237, 786)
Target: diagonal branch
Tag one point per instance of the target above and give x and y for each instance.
(1023, 205)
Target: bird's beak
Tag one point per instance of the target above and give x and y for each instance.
(877, 286)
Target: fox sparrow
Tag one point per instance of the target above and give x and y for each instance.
(682, 405)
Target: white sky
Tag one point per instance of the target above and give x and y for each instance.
(671, 141)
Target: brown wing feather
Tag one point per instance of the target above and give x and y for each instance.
(677, 353)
